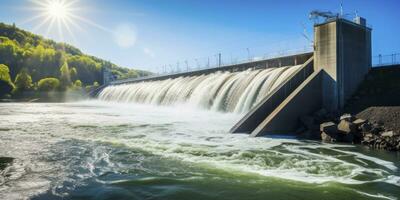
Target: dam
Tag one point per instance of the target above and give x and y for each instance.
(272, 94)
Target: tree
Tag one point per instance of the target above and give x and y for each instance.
(73, 73)
(5, 73)
(6, 85)
(23, 81)
(48, 84)
(77, 85)
(65, 78)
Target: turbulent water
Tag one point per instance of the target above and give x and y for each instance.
(98, 150)
(221, 91)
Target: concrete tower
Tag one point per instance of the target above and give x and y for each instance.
(343, 51)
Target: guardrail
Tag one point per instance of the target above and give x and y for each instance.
(214, 68)
(387, 59)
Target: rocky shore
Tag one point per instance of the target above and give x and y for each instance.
(374, 118)
(347, 128)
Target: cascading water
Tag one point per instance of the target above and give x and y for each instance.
(220, 91)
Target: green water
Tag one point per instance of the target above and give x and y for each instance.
(94, 150)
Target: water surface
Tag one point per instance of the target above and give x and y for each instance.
(95, 150)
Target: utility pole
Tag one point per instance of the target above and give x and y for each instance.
(219, 60)
(248, 53)
(341, 9)
(197, 63)
(187, 65)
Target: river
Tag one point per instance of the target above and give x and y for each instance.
(99, 150)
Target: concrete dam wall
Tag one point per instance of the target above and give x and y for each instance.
(220, 91)
(273, 94)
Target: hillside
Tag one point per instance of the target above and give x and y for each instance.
(40, 58)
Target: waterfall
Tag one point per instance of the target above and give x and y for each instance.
(221, 91)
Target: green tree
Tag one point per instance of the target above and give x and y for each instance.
(130, 74)
(73, 73)
(6, 85)
(65, 78)
(78, 83)
(23, 81)
(48, 84)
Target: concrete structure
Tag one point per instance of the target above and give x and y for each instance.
(108, 77)
(302, 101)
(342, 58)
(343, 50)
(258, 113)
(328, 77)
(259, 64)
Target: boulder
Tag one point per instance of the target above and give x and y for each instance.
(387, 134)
(349, 138)
(329, 128)
(376, 130)
(327, 138)
(347, 117)
(359, 122)
(346, 127)
(366, 127)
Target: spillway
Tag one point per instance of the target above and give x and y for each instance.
(220, 91)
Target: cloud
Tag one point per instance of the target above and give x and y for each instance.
(149, 52)
(125, 35)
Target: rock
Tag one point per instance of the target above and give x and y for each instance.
(308, 122)
(376, 130)
(366, 127)
(346, 127)
(329, 128)
(359, 122)
(327, 138)
(347, 117)
(387, 134)
(348, 138)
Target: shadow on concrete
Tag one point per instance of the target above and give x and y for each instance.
(381, 88)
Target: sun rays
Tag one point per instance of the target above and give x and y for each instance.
(60, 17)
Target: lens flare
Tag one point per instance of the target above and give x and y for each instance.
(57, 9)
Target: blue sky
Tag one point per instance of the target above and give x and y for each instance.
(148, 34)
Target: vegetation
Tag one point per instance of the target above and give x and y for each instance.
(27, 59)
(48, 84)
(6, 85)
(23, 81)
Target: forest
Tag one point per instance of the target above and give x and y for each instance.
(31, 63)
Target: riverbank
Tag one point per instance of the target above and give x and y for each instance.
(54, 96)
(371, 116)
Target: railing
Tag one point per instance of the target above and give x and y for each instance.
(222, 60)
(220, 64)
(388, 59)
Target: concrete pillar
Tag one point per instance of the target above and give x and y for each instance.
(343, 51)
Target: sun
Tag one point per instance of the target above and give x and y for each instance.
(60, 19)
(58, 9)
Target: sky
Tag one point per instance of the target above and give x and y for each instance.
(156, 35)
